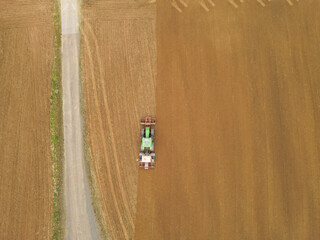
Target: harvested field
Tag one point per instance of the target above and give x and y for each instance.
(118, 71)
(238, 119)
(26, 54)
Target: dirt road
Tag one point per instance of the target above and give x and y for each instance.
(119, 61)
(26, 54)
(238, 119)
(80, 218)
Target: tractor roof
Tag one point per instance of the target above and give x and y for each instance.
(146, 142)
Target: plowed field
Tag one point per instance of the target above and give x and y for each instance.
(238, 119)
(26, 53)
(118, 71)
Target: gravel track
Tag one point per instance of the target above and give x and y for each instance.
(80, 218)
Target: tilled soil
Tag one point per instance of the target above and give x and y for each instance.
(237, 97)
(26, 53)
(238, 119)
(118, 73)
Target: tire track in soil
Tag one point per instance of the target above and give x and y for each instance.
(110, 128)
(104, 143)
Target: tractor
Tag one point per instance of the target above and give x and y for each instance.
(147, 155)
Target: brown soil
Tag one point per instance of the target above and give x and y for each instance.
(238, 119)
(26, 52)
(118, 71)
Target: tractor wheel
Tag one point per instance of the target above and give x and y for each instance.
(142, 133)
(152, 133)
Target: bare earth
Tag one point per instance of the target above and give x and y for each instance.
(238, 119)
(26, 53)
(118, 71)
(238, 108)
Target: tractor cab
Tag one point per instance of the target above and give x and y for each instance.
(147, 135)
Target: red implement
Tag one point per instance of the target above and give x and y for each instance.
(147, 121)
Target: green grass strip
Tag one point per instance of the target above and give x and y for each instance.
(56, 129)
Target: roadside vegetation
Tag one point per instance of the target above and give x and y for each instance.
(56, 129)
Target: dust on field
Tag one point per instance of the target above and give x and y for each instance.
(238, 119)
(26, 52)
(118, 71)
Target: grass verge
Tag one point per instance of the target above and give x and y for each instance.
(56, 129)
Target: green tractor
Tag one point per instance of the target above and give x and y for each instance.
(147, 155)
